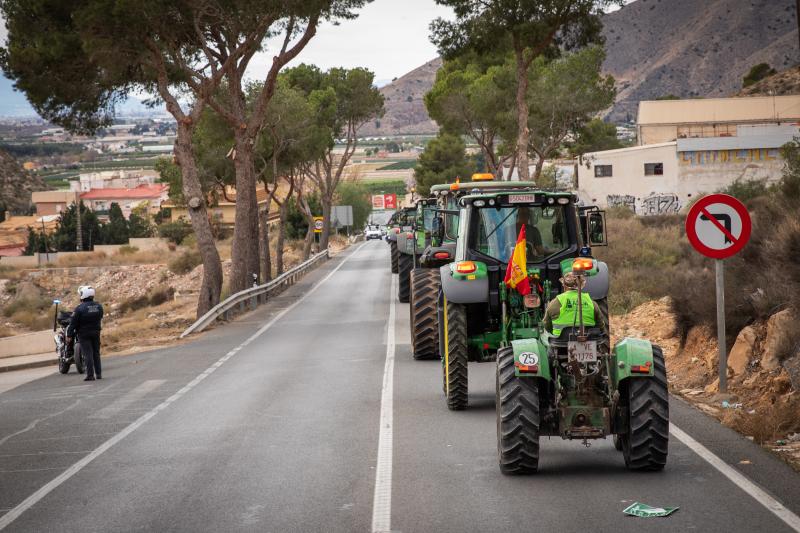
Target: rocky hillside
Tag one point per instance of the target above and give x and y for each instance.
(405, 108)
(16, 185)
(782, 83)
(686, 48)
(689, 48)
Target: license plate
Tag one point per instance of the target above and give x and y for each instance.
(522, 198)
(583, 352)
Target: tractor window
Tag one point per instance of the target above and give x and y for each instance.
(428, 215)
(545, 231)
(451, 221)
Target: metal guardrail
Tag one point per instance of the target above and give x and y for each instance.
(254, 296)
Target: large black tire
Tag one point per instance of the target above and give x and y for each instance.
(518, 418)
(454, 360)
(646, 443)
(424, 320)
(603, 305)
(393, 255)
(404, 267)
(63, 366)
(78, 357)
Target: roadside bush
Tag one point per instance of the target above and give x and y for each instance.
(175, 232)
(32, 305)
(746, 190)
(33, 320)
(185, 262)
(153, 298)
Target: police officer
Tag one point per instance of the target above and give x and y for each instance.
(85, 324)
(562, 311)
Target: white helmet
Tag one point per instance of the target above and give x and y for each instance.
(85, 291)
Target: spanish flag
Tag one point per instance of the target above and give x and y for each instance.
(517, 271)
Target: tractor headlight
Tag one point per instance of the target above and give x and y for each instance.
(479, 203)
(563, 201)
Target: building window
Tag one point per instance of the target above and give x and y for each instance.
(603, 171)
(654, 169)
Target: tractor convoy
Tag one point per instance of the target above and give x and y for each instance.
(503, 273)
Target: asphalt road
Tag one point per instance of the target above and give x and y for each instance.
(274, 423)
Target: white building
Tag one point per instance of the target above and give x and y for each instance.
(114, 179)
(696, 153)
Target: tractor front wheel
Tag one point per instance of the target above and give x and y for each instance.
(645, 444)
(404, 267)
(393, 255)
(424, 319)
(518, 418)
(454, 357)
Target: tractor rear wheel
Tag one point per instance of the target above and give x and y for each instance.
(404, 266)
(454, 357)
(518, 418)
(645, 444)
(424, 320)
(393, 255)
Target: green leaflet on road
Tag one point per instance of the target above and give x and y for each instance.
(645, 511)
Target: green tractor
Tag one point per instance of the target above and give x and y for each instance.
(569, 382)
(436, 228)
(412, 241)
(399, 221)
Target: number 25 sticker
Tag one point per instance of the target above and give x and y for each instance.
(528, 359)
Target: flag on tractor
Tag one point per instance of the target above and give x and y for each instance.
(517, 271)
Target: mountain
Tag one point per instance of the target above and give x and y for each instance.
(686, 48)
(405, 108)
(779, 84)
(691, 48)
(16, 185)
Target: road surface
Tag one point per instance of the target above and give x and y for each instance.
(310, 415)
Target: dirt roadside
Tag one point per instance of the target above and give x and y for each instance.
(761, 403)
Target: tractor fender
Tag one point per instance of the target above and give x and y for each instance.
(598, 284)
(405, 244)
(428, 260)
(630, 352)
(533, 353)
(463, 291)
(391, 235)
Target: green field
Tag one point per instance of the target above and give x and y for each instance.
(400, 165)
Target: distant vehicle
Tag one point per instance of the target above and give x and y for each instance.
(373, 232)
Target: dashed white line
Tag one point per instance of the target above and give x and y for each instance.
(34, 498)
(382, 499)
(738, 479)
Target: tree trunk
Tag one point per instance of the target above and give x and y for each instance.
(244, 254)
(263, 249)
(279, 245)
(211, 285)
(326, 221)
(523, 136)
(538, 171)
(309, 242)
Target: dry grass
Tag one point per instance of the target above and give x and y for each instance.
(186, 262)
(766, 424)
(101, 259)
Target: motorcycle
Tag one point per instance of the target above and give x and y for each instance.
(68, 353)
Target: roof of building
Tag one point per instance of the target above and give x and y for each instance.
(40, 197)
(140, 192)
(719, 110)
(18, 223)
(631, 149)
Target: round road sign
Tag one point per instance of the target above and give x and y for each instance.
(318, 224)
(718, 226)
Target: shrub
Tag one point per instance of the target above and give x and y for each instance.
(185, 262)
(160, 295)
(33, 320)
(176, 231)
(128, 250)
(746, 190)
(134, 303)
(153, 298)
(34, 306)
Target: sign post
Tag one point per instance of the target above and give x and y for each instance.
(718, 226)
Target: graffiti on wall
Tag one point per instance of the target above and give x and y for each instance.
(660, 204)
(718, 157)
(621, 200)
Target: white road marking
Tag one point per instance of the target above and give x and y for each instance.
(130, 397)
(382, 500)
(34, 498)
(738, 479)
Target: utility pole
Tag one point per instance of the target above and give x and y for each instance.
(79, 237)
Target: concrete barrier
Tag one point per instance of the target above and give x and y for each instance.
(27, 344)
(23, 261)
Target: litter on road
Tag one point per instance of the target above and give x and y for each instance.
(645, 511)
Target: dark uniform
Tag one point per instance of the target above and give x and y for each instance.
(85, 324)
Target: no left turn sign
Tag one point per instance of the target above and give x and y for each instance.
(718, 226)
